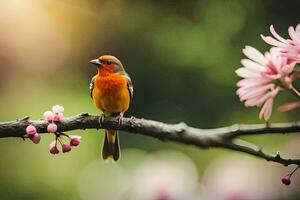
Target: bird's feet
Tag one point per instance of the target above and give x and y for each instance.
(120, 120)
(101, 119)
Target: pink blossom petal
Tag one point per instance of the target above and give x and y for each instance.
(266, 110)
(292, 57)
(252, 82)
(253, 66)
(58, 109)
(48, 116)
(252, 89)
(254, 55)
(293, 34)
(257, 101)
(288, 106)
(272, 76)
(246, 89)
(276, 35)
(272, 41)
(245, 73)
(257, 92)
(298, 30)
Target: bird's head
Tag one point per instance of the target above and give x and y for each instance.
(108, 63)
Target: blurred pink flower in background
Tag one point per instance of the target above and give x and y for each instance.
(263, 77)
(238, 178)
(290, 48)
(165, 175)
(159, 179)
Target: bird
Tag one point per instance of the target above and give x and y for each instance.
(111, 90)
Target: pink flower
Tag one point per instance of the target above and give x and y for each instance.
(36, 138)
(290, 48)
(54, 150)
(58, 109)
(75, 140)
(30, 130)
(52, 128)
(263, 77)
(49, 116)
(66, 148)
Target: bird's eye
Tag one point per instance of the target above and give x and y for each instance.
(108, 62)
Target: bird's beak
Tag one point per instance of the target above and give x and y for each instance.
(95, 62)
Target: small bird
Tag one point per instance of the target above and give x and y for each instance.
(111, 90)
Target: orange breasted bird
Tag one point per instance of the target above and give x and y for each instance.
(111, 90)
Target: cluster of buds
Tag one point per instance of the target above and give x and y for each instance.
(51, 118)
(74, 141)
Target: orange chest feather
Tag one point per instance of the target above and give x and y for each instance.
(110, 94)
(110, 84)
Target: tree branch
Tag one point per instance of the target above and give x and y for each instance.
(225, 137)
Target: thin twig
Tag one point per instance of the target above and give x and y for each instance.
(295, 92)
(225, 137)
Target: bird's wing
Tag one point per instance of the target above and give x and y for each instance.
(129, 85)
(92, 85)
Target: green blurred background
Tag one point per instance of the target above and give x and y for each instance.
(181, 56)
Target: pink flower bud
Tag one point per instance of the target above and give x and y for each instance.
(36, 138)
(286, 180)
(54, 150)
(48, 116)
(66, 148)
(58, 109)
(30, 130)
(75, 140)
(52, 128)
(57, 117)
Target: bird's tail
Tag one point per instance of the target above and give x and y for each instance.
(111, 146)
